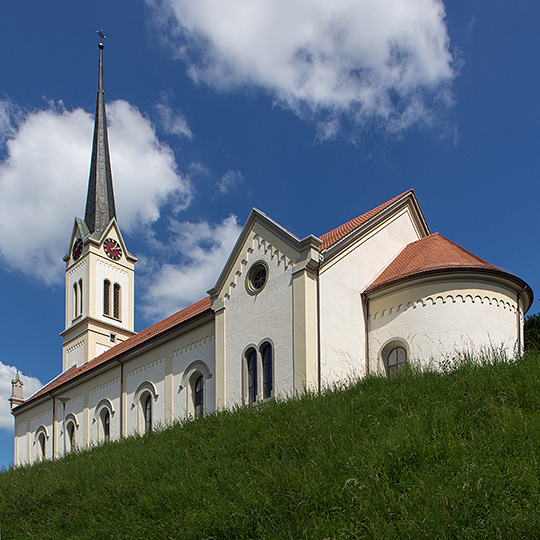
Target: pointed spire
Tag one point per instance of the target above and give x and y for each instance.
(100, 208)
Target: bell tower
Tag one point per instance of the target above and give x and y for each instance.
(100, 270)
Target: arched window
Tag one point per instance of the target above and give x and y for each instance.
(251, 360)
(116, 301)
(395, 360)
(70, 439)
(147, 411)
(198, 396)
(75, 301)
(80, 297)
(267, 369)
(105, 418)
(106, 297)
(41, 446)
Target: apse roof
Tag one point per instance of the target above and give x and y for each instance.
(433, 253)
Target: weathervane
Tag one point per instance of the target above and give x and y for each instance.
(101, 35)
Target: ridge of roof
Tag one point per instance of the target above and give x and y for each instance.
(337, 234)
(145, 335)
(431, 253)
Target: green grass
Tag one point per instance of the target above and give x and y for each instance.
(422, 455)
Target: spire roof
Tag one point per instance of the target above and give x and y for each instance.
(100, 208)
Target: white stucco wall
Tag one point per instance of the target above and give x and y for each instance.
(341, 282)
(442, 318)
(192, 355)
(251, 320)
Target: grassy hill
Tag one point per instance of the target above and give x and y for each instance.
(422, 455)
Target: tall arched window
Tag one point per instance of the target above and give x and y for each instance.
(267, 370)
(70, 439)
(116, 301)
(147, 412)
(106, 297)
(80, 297)
(198, 396)
(75, 301)
(41, 446)
(105, 418)
(251, 360)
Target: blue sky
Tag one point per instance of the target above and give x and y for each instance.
(313, 111)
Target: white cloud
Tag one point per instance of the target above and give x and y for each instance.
(382, 62)
(173, 122)
(169, 287)
(7, 374)
(43, 180)
(230, 180)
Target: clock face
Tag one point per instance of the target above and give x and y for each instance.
(76, 252)
(112, 249)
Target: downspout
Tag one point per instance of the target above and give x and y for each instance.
(518, 321)
(53, 426)
(321, 259)
(121, 399)
(365, 308)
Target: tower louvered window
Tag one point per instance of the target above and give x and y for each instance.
(75, 301)
(80, 297)
(106, 297)
(116, 301)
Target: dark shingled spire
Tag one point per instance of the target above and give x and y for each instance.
(100, 207)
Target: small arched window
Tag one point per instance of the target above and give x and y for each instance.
(267, 371)
(41, 446)
(198, 396)
(106, 297)
(251, 360)
(116, 301)
(80, 297)
(395, 360)
(70, 432)
(105, 417)
(147, 412)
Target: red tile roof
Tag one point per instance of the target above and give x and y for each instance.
(142, 337)
(431, 253)
(333, 237)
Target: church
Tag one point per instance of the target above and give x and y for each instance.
(286, 315)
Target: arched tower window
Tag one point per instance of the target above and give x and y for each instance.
(80, 297)
(251, 360)
(116, 301)
(198, 396)
(106, 297)
(267, 370)
(147, 411)
(75, 301)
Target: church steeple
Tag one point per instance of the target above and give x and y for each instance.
(100, 271)
(100, 208)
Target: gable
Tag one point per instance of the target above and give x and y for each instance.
(283, 245)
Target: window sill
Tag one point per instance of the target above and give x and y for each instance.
(111, 317)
